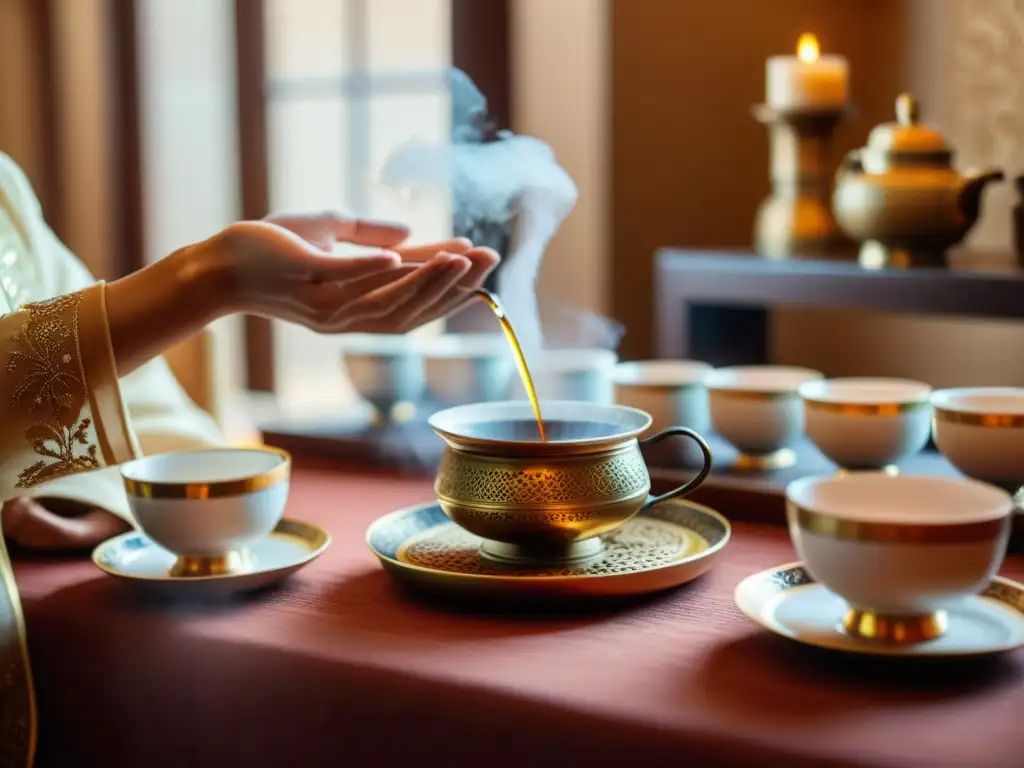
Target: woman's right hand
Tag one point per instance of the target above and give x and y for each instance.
(284, 268)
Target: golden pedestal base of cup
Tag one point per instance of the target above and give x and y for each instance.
(399, 413)
(571, 555)
(191, 566)
(780, 459)
(891, 470)
(899, 630)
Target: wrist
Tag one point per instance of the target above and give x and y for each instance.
(208, 279)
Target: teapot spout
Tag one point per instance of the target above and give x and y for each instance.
(969, 199)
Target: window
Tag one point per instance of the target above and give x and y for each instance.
(327, 90)
(347, 82)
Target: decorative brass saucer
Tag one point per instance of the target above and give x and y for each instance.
(787, 601)
(666, 545)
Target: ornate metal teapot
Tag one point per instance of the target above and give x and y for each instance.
(900, 196)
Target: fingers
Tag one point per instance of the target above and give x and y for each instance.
(326, 228)
(343, 269)
(324, 305)
(421, 253)
(483, 261)
(395, 306)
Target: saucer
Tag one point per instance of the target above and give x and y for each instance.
(787, 601)
(133, 557)
(664, 546)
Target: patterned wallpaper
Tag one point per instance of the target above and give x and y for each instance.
(986, 99)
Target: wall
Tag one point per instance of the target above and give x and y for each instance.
(690, 164)
(20, 126)
(190, 156)
(561, 95)
(83, 131)
(964, 58)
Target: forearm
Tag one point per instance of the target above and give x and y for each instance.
(156, 307)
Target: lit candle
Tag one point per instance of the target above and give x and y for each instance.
(807, 80)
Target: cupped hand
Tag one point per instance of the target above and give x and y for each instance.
(284, 268)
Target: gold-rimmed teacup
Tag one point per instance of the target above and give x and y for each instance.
(673, 392)
(899, 550)
(206, 506)
(867, 423)
(387, 372)
(534, 501)
(980, 431)
(758, 410)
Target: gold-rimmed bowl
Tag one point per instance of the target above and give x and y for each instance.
(387, 371)
(207, 506)
(572, 374)
(465, 368)
(867, 423)
(758, 410)
(535, 501)
(898, 549)
(672, 392)
(980, 431)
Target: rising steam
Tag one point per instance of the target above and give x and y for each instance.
(499, 181)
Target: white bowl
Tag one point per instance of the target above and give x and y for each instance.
(672, 391)
(862, 423)
(386, 370)
(898, 549)
(758, 410)
(980, 430)
(583, 375)
(467, 367)
(208, 503)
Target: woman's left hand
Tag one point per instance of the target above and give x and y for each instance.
(57, 524)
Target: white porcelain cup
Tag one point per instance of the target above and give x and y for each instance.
(207, 505)
(980, 431)
(862, 423)
(583, 375)
(387, 371)
(673, 392)
(464, 368)
(758, 410)
(898, 549)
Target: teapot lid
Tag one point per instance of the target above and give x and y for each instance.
(907, 135)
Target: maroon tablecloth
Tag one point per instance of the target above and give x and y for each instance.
(342, 669)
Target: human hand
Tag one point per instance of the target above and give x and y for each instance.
(57, 524)
(283, 267)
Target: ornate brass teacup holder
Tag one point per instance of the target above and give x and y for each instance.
(542, 503)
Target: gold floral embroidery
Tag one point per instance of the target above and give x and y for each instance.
(51, 382)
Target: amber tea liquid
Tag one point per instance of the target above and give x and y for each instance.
(517, 351)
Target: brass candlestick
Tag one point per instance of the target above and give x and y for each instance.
(796, 219)
(1018, 222)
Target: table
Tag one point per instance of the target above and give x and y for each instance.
(727, 295)
(340, 668)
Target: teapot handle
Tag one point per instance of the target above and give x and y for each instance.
(695, 482)
(851, 163)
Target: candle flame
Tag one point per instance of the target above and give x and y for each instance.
(807, 48)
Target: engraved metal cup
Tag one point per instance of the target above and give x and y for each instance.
(536, 501)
